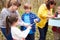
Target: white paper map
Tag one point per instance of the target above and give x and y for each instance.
(54, 22)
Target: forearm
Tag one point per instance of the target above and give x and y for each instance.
(26, 32)
(23, 34)
(21, 23)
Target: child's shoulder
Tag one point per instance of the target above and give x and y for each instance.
(4, 10)
(32, 13)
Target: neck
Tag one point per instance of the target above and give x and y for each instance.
(27, 12)
(14, 25)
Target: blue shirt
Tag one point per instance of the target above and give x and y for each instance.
(27, 20)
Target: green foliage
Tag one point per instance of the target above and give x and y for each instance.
(35, 5)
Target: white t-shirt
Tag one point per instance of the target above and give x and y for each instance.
(18, 34)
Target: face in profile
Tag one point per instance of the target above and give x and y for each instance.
(52, 6)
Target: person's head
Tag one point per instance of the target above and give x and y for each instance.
(27, 7)
(50, 4)
(58, 9)
(11, 20)
(13, 4)
(50, 0)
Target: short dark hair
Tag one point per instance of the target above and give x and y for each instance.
(12, 2)
(48, 3)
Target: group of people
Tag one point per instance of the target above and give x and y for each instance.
(10, 20)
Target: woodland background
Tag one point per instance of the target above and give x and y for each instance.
(35, 6)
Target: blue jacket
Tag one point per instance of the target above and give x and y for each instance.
(32, 16)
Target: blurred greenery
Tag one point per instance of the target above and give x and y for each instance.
(35, 5)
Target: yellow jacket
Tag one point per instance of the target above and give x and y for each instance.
(42, 14)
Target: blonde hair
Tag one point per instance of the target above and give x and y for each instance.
(27, 6)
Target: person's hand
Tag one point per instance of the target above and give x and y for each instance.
(35, 20)
(53, 17)
(50, 16)
(29, 26)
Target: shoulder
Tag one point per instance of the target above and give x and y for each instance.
(43, 5)
(32, 13)
(14, 28)
(4, 10)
